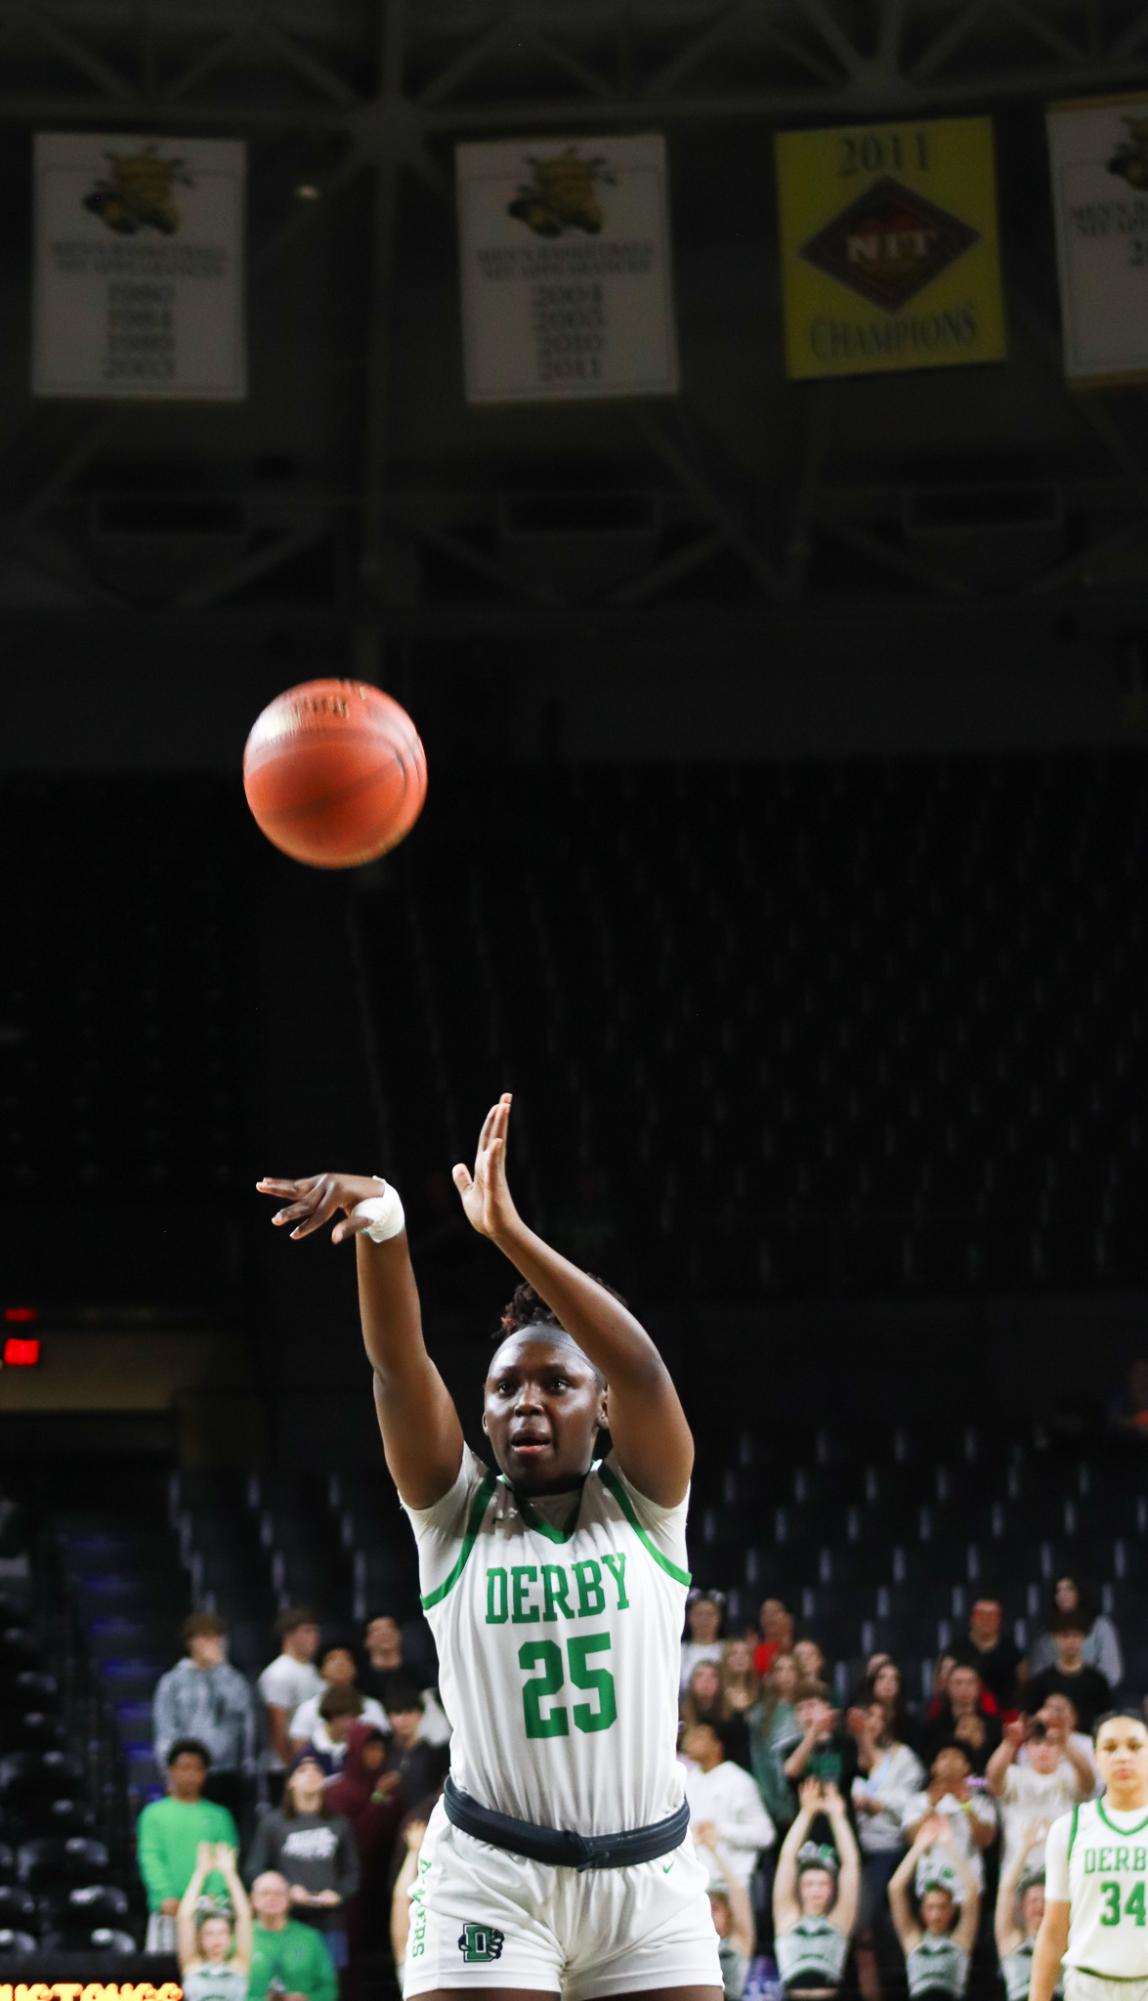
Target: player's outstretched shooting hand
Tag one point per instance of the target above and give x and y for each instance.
(486, 1193)
(311, 1202)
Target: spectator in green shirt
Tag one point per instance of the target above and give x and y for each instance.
(290, 1956)
(168, 1834)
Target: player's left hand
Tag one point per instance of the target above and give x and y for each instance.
(485, 1194)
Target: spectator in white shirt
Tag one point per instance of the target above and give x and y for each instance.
(1060, 1709)
(703, 1626)
(972, 1818)
(722, 1794)
(889, 1775)
(1054, 1778)
(285, 1684)
(336, 1670)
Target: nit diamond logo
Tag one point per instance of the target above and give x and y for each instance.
(889, 244)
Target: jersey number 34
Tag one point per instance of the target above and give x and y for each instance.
(546, 1655)
(1134, 1907)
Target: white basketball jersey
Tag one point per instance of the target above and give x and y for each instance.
(558, 1625)
(1097, 1861)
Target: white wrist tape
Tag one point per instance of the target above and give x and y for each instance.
(384, 1213)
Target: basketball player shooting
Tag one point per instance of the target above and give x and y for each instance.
(558, 1860)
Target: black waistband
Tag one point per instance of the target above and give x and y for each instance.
(562, 1850)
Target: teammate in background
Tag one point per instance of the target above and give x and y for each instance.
(214, 1947)
(1096, 1878)
(815, 1894)
(555, 1590)
(938, 1953)
(1020, 1908)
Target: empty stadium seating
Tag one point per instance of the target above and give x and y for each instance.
(846, 1028)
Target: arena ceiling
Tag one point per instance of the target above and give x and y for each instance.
(355, 491)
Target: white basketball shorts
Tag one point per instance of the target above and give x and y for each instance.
(481, 1917)
(1080, 1986)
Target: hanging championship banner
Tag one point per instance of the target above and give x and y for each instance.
(1099, 154)
(889, 245)
(566, 283)
(139, 280)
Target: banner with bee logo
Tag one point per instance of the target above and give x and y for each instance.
(566, 283)
(139, 267)
(889, 247)
(1099, 155)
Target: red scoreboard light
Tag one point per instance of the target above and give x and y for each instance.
(21, 1351)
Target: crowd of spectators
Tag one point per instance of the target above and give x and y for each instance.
(271, 1865)
(880, 1846)
(876, 1846)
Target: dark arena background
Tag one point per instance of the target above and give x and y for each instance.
(784, 853)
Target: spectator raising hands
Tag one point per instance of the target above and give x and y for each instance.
(1020, 1909)
(214, 1945)
(1055, 1775)
(972, 1818)
(732, 1912)
(815, 1894)
(938, 1942)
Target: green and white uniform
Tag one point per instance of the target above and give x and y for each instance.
(812, 1953)
(936, 1966)
(734, 1970)
(1096, 1861)
(226, 1982)
(1016, 1972)
(558, 1624)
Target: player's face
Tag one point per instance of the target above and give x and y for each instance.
(544, 1406)
(1122, 1754)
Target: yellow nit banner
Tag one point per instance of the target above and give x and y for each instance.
(890, 251)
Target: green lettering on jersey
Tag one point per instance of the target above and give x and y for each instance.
(1121, 1859)
(616, 1565)
(555, 1592)
(588, 1577)
(1139, 1861)
(522, 1576)
(1090, 1861)
(1104, 1862)
(1134, 1908)
(497, 1610)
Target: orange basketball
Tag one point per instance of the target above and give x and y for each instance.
(334, 773)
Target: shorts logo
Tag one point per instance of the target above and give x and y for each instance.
(480, 1944)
